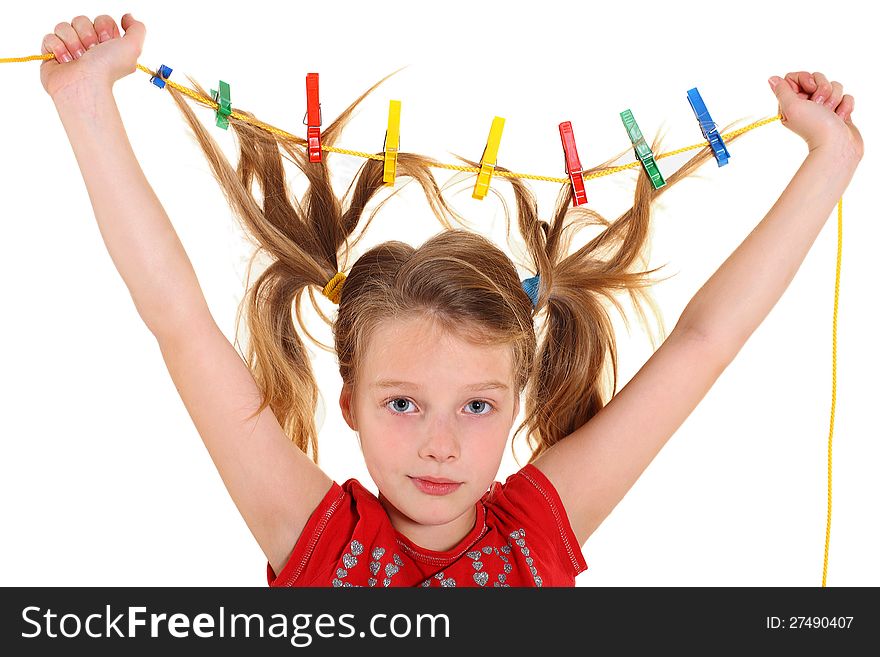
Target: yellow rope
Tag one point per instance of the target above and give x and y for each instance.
(209, 102)
(833, 379)
(333, 286)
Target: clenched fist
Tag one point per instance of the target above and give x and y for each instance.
(818, 111)
(89, 52)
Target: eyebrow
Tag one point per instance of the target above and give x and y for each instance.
(483, 385)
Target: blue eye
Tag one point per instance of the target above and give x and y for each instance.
(484, 403)
(399, 399)
(397, 409)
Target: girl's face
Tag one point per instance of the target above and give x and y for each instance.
(429, 404)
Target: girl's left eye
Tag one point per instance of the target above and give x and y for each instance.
(484, 405)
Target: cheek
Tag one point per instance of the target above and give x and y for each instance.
(384, 442)
(489, 446)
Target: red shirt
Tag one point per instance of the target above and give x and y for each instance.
(521, 537)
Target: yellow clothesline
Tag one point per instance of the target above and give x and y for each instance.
(373, 156)
(209, 102)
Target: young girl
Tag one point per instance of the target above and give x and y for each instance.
(435, 344)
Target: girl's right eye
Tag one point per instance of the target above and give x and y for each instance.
(396, 408)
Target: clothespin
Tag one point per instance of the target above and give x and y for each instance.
(707, 125)
(489, 159)
(643, 151)
(224, 109)
(161, 75)
(313, 117)
(392, 142)
(573, 163)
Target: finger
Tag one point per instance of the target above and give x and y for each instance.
(802, 81)
(70, 38)
(105, 26)
(846, 106)
(793, 84)
(51, 43)
(836, 95)
(823, 88)
(86, 31)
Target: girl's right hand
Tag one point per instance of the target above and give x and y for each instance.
(90, 53)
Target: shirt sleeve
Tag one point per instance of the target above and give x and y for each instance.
(542, 513)
(299, 567)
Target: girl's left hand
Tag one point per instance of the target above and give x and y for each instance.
(818, 111)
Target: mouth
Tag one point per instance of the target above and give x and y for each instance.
(435, 485)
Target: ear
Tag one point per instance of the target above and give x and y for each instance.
(345, 399)
(515, 408)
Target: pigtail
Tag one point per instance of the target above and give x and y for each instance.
(309, 242)
(575, 369)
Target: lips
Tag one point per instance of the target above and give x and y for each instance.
(438, 480)
(435, 485)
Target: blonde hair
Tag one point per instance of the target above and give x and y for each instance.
(564, 350)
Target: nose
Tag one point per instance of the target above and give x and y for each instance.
(440, 442)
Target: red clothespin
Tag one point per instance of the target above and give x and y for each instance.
(313, 117)
(572, 163)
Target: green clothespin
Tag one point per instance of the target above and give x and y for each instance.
(222, 98)
(643, 151)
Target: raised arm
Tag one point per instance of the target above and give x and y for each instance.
(596, 465)
(737, 298)
(141, 241)
(274, 485)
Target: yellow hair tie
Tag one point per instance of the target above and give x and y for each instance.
(334, 287)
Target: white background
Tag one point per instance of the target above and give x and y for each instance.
(104, 479)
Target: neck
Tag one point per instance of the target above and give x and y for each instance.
(438, 538)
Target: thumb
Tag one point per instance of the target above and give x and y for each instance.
(782, 89)
(134, 31)
(784, 94)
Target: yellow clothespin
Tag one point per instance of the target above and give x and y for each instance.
(392, 142)
(489, 159)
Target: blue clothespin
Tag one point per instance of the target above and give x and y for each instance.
(707, 125)
(163, 74)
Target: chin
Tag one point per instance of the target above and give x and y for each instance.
(439, 513)
(426, 510)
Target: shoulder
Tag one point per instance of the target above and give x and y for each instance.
(528, 503)
(527, 482)
(345, 509)
(350, 501)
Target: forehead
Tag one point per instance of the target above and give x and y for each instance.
(420, 350)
